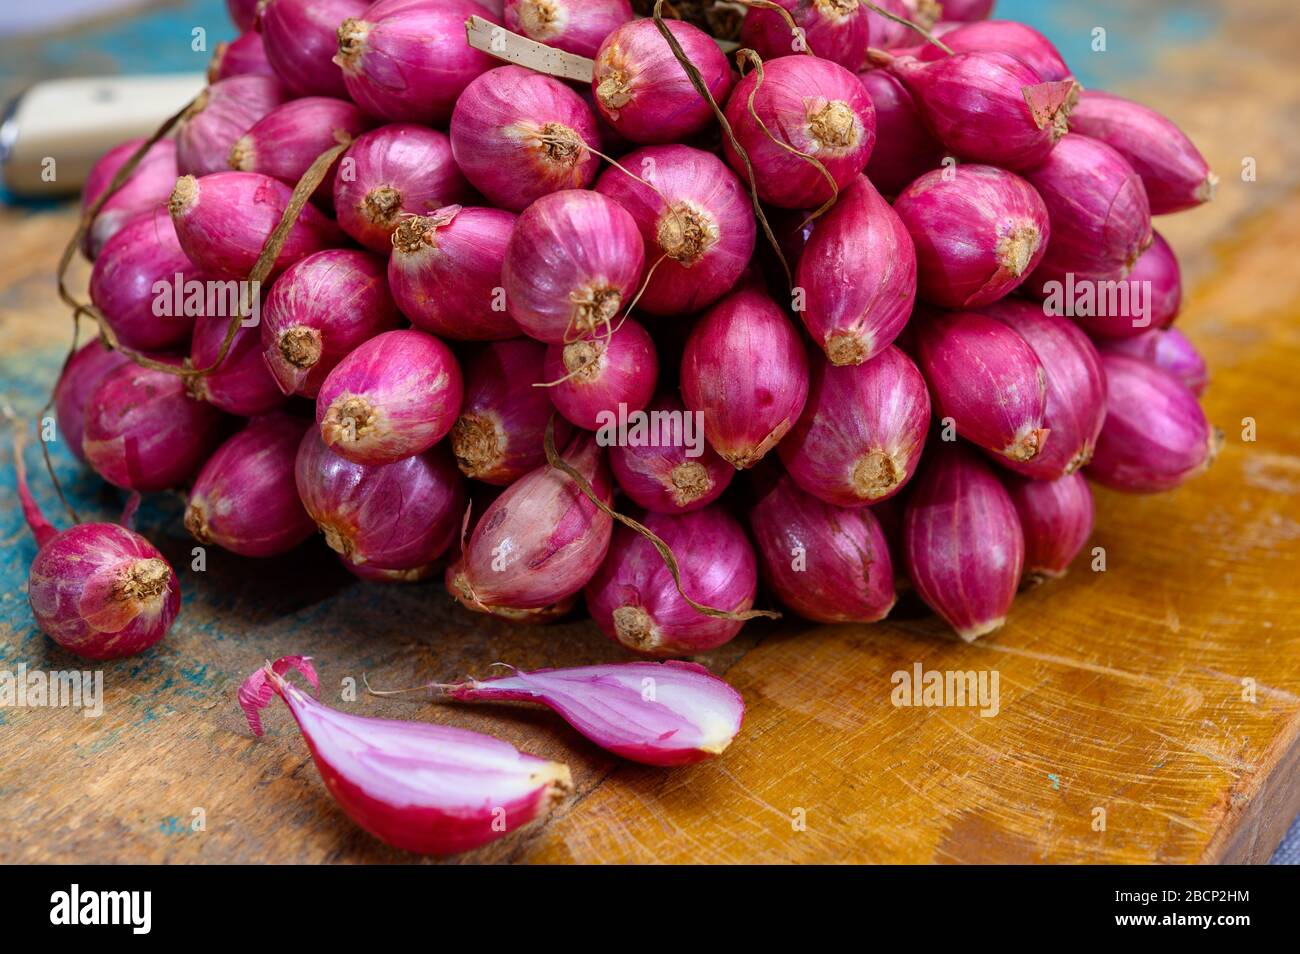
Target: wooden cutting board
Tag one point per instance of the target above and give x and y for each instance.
(1161, 695)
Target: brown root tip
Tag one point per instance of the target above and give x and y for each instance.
(301, 347)
(349, 419)
(242, 154)
(1213, 446)
(352, 35)
(562, 145)
(582, 358)
(974, 632)
(1027, 446)
(143, 581)
(1205, 191)
(614, 91)
(476, 443)
(1015, 250)
(838, 9)
(635, 629)
(341, 542)
(413, 234)
(876, 475)
(834, 126)
(184, 194)
(594, 308)
(196, 521)
(1080, 459)
(1038, 575)
(690, 481)
(685, 234)
(382, 205)
(537, 18)
(200, 101)
(927, 13)
(559, 783)
(844, 348)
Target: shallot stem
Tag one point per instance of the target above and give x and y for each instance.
(41, 528)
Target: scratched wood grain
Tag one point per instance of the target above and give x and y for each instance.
(1120, 690)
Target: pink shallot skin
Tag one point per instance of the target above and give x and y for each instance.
(860, 437)
(241, 384)
(1056, 517)
(1008, 36)
(979, 231)
(858, 276)
(243, 13)
(1156, 280)
(815, 106)
(397, 394)
(90, 365)
(1174, 173)
(220, 114)
(301, 38)
(542, 539)
(656, 713)
(905, 147)
(286, 141)
(243, 56)
(518, 135)
(145, 189)
(641, 89)
(408, 62)
(576, 26)
(832, 29)
(1166, 348)
(847, 574)
(600, 373)
(428, 789)
(962, 543)
(696, 220)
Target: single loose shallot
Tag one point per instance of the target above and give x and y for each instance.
(978, 230)
(576, 26)
(746, 371)
(574, 261)
(244, 499)
(90, 365)
(594, 379)
(97, 589)
(801, 105)
(836, 30)
(144, 190)
(905, 147)
(657, 713)
(854, 312)
(429, 789)
(642, 90)
(1056, 517)
(862, 430)
(962, 541)
(219, 115)
(635, 601)
(396, 395)
(829, 564)
(318, 311)
(518, 135)
(663, 468)
(987, 379)
(1166, 348)
(301, 38)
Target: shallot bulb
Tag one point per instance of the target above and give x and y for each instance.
(286, 141)
(90, 365)
(224, 219)
(1056, 518)
(1019, 39)
(318, 311)
(574, 261)
(244, 499)
(888, 34)
(1166, 348)
(146, 189)
(301, 38)
(1149, 298)
(575, 26)
(428, 789)
(987, 379)
(989, 106)
(601, 377)
(978, 230)
(541, 540)
(400, 516)
(134, 285)
(219, 115)
(395, 395)
(667, 467)
(1173, 172)
(518, 135)
(860, 436)
(241, 384)
(858, 276)
(1155, 436)
(635, 601)
(657, 713)
(905, 147)
(445, 272)
(746, 371)
(1100, 218)
(242, 13)
(962, 543)
(643, 91)
(829, 564)
(803, 105)
(407, 61)
(836, 30)
(243, 56)
(964, 11)
(696, 221)
(499, 436)
(143, 432)
(1076, 388)
(390, 174)
(97, 589)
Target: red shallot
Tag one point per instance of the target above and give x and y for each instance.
(664, 464)
(146, 189)
(241, 384)
(576, 26)
(836, 30)
(1166, 348)
(1056, 518)
(219, 115)
(243, 56)
(243, 13)
(595, 379)
(1019, 39)
(301, 38)
(1149, 298)
(905, 147)
(286, 141)
(90, 365)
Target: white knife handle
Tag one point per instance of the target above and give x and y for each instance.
(52, 134)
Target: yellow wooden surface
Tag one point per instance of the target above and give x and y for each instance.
(1120, 690)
